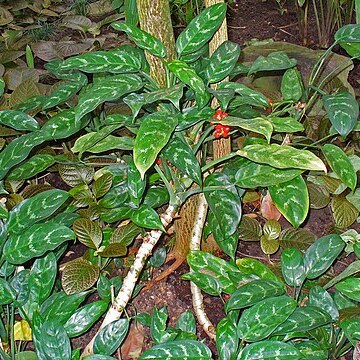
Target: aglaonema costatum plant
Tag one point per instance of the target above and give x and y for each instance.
(160, 157)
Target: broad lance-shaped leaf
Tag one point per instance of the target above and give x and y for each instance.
(154, 133)
(292, 267)
(248, 174)
(142, 39)
(259, 321)
(36, 241)
(312, 350)
(225, 203)
(255, 267)
(180, 154)
(146, 217)
(259, 125)
(282, 157)
(113, 142)
(35, 209)
(340, 164)
(7, 293)
(291, 85)
(350, 287)
(320, 255)
(274, 61)
(248, 95)
(135, 183)
(18, 120)
(205, 282)
(109, 88)
(222, 61)
(253, 292)
(322, 299)
(18, 150)
(343, 111)
(113, 61)
(201, 29)
(31, 167)
(189, 77)
(158, 324)
(226, 339)
(303, 319)
(179, 349)
(292, 199)
(348, 33)
(269, 350)
(285, 124)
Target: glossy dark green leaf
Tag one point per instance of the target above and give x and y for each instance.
(303, 319)
(351, 329)
(292, 200)
(350, 287)
(180, 154)
(113, 142)
(83, 318)
(269, 350)
(320, 255)
(291, 85)
(18, 120)
(224, 203)
(36, 241)
(110, 337)
(79, 275)
(154, 133)
(226, 339)
(312, 350)
(7, 293)
(348, 33)
(286, 124)
(18, 150)
(158, 258)
(340, 164)
(142, 39)
(135, 183)
(292, 267)
(88, 232)
(253, 292)
(186, 322)
(323, 300)
(114, 61)
(259, 321)
(255, 267)
(282, 157)
(180, 349)
(205, 282)
(156, 197)
(274, 61)
(352, 269)
(201, 29)
(222, 61)
(146, 217)
(158, 324)
(342, 110)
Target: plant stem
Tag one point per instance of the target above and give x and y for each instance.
(212, 163)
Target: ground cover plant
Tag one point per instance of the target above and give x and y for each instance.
(131, 150)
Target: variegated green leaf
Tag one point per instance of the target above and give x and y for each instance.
(7, 293)
(253, 292)
(286, 124)
(114, 61)
(282, 157)
(274, 61)
(158, 324)
(37, 164)
(312, 350)
(18, 150)
(205, 282)
(154, 133)
(18, 120)
(142, 39)
(259, 125)
(351, 329)
(222, 61)
(35, 241)
(137, 101)
(225, 203)
(259, 321)
(292, 200)
(226, 339)
(350, 287)
(79, 275)
(180, 154)
(179, 349)
(63, 125)
(201, 29)
(255, 267)
(135, 183)
(270, 350)
(352, 269)
(348, 34)
(83, 318)
(156, 197)
(291, 85)
(188, 76)
(303, 319)
(113, 142)
(248, 95)
(323, 300)
(340, 164)
(343, 111)
(109, 88)
(35, 209)
(111, 336)
(227, 274)
(292, 267)
(146, 217)
(320, 255)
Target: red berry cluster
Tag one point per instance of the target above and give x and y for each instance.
(221, 131)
